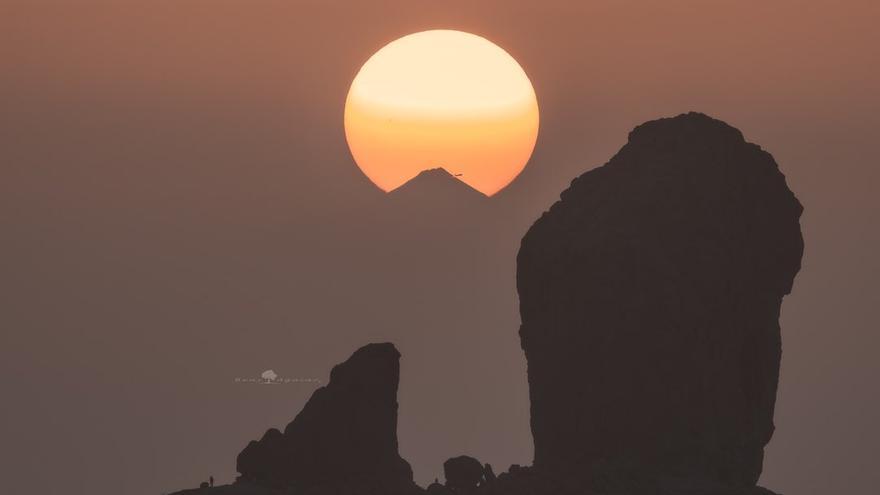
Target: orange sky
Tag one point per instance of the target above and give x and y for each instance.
(154, 153)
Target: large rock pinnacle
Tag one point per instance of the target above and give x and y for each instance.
(650, 298)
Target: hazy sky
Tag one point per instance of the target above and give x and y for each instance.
(178, 208)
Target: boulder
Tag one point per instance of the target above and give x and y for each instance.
(463, 473)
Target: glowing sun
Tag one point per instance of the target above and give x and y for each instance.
(442, 99)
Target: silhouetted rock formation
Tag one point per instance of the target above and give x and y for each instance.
(345, 438)
(650, 298)
(488, 474)
(463, 473)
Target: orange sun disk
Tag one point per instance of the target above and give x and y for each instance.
(441, 99)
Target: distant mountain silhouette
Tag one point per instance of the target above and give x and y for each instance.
(650, 297)
(438, 185)
(434, 199)
(428, 211)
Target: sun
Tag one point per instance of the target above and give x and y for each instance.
(445, 99)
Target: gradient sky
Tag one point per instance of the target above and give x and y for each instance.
(178, 207)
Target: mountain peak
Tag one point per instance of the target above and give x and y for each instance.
(433, 172)
(437, 182)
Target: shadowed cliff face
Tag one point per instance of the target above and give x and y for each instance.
(650, 298)
(345, 436)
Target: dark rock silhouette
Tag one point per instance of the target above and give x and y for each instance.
(436, 488)
(463, 473)
(234, 489)
(488, 474)
(650, 298)
(345, 436)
